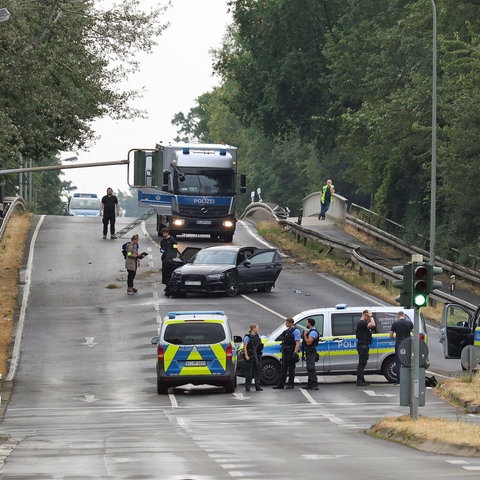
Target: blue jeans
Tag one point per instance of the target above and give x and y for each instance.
(324, 209)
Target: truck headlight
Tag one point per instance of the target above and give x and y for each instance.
(178, 222)
(228, 224)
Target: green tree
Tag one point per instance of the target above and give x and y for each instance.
(63, 64)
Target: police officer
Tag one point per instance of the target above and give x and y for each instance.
(169, 251)
(290, 346)
(252, 350)
(401, 329)
(309, 347)
(364, 337)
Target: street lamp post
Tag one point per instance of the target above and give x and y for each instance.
(433, 180)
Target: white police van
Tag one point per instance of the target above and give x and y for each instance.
(196, 347)
(84, 205)
(337, 346)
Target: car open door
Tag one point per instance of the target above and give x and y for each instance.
(260, 269)
(456, 329)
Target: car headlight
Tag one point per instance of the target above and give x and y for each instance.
(215, 276)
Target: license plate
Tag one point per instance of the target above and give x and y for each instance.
(204, 222)
(193, 283)
(195, 363)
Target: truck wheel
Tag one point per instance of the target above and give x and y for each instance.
(269, 371)
(388, 369)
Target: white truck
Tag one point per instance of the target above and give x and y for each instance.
(192, 187)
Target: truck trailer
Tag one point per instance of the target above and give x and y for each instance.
(192, 187)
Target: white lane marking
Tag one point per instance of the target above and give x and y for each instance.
(246, 297)
(255, 236)
(88, 398)
(472, 468)
(89, 342)
(173, 400)
(371, 393)
(23, 308)
(240, 396)
(308, 396)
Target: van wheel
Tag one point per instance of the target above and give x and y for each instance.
(230, 386)
(388, 369)
(269, 371)
(161, 388)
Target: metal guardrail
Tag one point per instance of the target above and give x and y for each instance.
(10, 205)
(303, 234)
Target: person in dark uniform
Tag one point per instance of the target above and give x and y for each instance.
(169, 251)
(290, 347)
(108, 208)
(252, 348)
(309, 346)
(364, 337)
(401, 329)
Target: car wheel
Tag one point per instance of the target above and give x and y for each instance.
(267, 289)
(388, 369)
(231, 285)
(269, 371)
(230, 386)
(161, 388)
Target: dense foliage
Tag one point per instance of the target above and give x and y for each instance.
(319, 89)
(62, 63)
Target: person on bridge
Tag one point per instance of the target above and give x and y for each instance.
(290, 347)
(309, 348)
(326, 199)
(108, 208)
(401, 329)
(169, 251)
(364, 337)
(252, 348)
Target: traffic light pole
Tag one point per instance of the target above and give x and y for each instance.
(415, 371)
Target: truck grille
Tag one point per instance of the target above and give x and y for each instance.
(207, 211)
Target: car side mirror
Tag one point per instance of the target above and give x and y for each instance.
(246, 263)
(155, 340)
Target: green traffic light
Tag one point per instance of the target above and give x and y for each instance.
(420, 300)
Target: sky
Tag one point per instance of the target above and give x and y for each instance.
(179, 71)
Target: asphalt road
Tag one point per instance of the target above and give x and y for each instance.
(84, 403)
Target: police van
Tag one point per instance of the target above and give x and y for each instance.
(84, 205)
(337, 346)
(198, 348)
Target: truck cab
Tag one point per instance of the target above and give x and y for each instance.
(192, 187)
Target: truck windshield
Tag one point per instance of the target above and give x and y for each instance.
(205, 182)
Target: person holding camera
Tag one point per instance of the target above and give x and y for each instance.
(309, 349)
(252, 351)
(364, 337)
(290, 346)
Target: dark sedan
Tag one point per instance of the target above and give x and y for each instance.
(226, 269)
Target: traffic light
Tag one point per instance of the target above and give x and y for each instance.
(431, 283)
(404, 284)
(419, 284)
